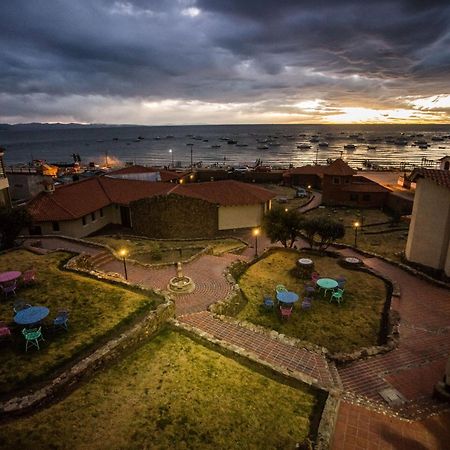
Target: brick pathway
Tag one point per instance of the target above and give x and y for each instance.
(207, 272)
(361, 428)
(267, 349)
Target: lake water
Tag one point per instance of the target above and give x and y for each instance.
(121, 144)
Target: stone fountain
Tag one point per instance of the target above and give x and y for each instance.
(180, 284)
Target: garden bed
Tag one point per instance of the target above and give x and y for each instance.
(174, 393)
(354, 324)
(96, 309)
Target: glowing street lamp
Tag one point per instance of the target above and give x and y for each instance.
(256, 232)
(356, 225)
(171, 154)
(123, 253)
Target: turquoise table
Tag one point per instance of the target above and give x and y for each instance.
(327, 284)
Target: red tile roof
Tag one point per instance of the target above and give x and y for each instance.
(166, 175)
(337, 168)
(226, 192)
(75, 200)
(440, 177)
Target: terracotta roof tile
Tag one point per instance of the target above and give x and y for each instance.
(226, 192)
(75, 200)
(166, 175)
(440, 177)
(337, 167)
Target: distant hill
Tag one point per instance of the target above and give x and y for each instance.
(59, 126)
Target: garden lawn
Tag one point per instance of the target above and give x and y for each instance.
(95, 308)
(173, 393)
(353, 324)
(389, 241)
(149, 251)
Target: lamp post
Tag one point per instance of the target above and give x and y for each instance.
(123, 253)
(192, 161)
(256, 232)
(171, 154)
(356, 226)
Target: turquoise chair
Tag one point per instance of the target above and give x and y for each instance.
(32, 337)
(337, 295)
(280, 288)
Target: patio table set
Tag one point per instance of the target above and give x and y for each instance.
(26, 315)
(286, 299)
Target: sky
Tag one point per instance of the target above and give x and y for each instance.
(225, 61)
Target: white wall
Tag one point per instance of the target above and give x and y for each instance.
(75, 228)
(428, 237)
(245, 216)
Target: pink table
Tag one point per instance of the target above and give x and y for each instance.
(9, 276)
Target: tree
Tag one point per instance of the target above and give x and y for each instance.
(325, 228)
(283, 226)
(329, 231)
(11, 223)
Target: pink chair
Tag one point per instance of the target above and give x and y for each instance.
(29, 276)
(314, 277)
(286, 312)
(9, 287)
(4, 330)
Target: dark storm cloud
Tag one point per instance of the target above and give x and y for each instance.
(346, 51)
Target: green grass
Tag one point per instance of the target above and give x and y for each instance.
(352, 325)
(95, 308)
(172, 393)
(389, 243)
(154, 252)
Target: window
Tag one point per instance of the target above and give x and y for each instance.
(101, 212)
(83, 220)
(366, 197)
(93, 216)
(347, 180)
(336, 180)
(55, 226)
(354, 197)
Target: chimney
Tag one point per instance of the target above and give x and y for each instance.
(49, 186)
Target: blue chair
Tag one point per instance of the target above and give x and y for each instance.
(341, 282)
(32, 337)
(61, 319)
(337, 295)
(268, 303)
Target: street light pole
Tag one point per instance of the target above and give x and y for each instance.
(356, 225)
(123, 254)
(192, 161)
(171, 154)
(256, 233)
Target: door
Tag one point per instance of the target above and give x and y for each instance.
(125, 216)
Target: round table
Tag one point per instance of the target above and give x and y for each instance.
(327, 284)
(9, 276)
(287, 297)
(31, 315)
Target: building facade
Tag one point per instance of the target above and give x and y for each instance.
(429, 232)
(5, 199)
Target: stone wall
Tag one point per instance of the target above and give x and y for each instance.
(174, 216)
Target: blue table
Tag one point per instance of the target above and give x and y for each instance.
(327, 284)
(29, 316)
(287, 297)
